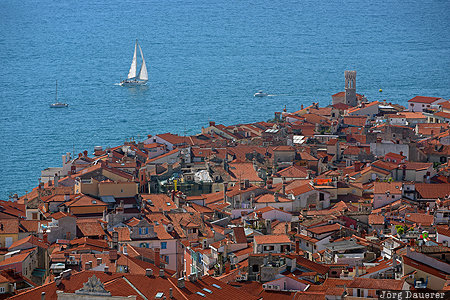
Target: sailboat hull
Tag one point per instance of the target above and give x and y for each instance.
(133, 82)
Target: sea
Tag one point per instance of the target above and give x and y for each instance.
(205, 59)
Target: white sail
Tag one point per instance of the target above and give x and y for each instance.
(143, 75)
(132, 72)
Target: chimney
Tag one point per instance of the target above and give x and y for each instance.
(170, 293)
(99, 261)
(115, 240)
(161, 272)
(275, 197)
(297, 247)
(106, 269)
(66, 197)
(56, 178)
(148, 272)
(43, 296)
(181, 283)
(85, 153)
(157, 257)
(211, 123)
(286, 228)
(225, 186)
(283, 187)
(301, 107)
(87, 265)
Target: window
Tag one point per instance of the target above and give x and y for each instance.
(166, 259)
(2, 290)
(163, 245)
(255, 268)
(321, 197)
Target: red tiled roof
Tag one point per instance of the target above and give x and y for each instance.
(394, 188)
(325, 228)
(423, 99)
(376, 219)
(272, 239)
(376, 284)
(9, 226)
(423, 267)
(422, 219)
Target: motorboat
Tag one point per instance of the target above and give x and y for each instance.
(260, 94)
(58, 104)
(133, 78)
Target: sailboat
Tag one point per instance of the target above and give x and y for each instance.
(58, 104)
(134, 79)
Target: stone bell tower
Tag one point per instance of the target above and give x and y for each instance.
(350, 88)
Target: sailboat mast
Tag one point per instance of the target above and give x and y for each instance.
(56, 94)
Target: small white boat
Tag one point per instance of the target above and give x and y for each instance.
(58, 104)
(260, 94)
(133, 79)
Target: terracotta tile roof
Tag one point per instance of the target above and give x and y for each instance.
(433, 190)
(394, 188)
(84, 200)
(358, 121)
(293, 172)
(422, 219)
(306, 238)
(90, 228)
(300, 189)
(34, 241)
(239, 235)
(423, 267)
(270, 198)
(376, 219)
(376, 284)
(272, 239)
(310, 265)
(443, 230)
(59, 215)
(18, 258)
(424, 99)
(325, 228)
(156, 202)
(32, 225)
(242, 171)
(9, 226)
(124, 234)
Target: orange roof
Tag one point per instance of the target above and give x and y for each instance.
(243, 170)
(29, 239)
(9, 226)
(304, 188)
(272, 239)
(293, 172)
(384, 187)
(423, 99)
(270, 198)
(324, 229)
(376, 284)
(15, 259)
(421, 219)
(376, 219)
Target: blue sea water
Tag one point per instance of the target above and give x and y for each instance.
(205, 58)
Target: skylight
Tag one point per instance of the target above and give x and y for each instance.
(201, 294)
(159, 295)
(208, 291)
(216, 286)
